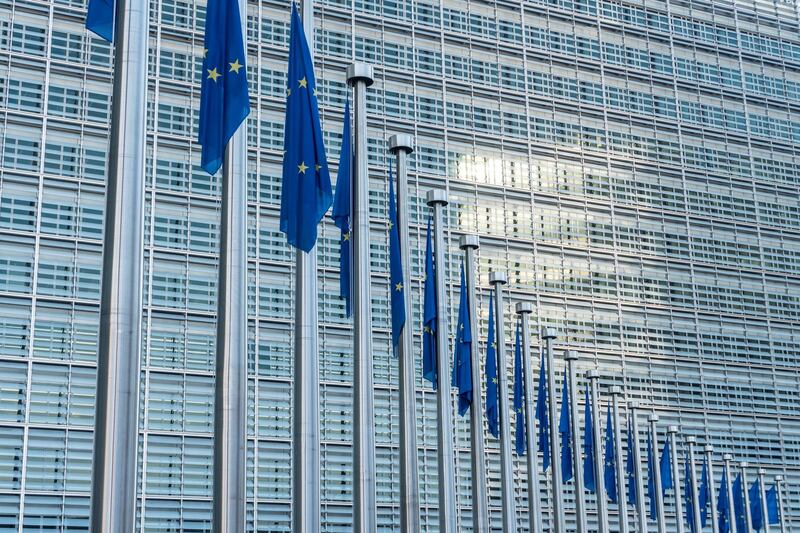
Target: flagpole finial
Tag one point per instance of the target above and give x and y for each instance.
(497, 278)
(634, 404)
(616, 390)
(778, 479)
(652, 418)
(548, 333)
(727, 457)
(359, 72)
(469, 241)
(708, 448)
(436, 196)
(571, 355)
(592, 374)
(762, 471)
(672, 429)
(524, 308)
(743, 464)
(691, 439)
(401, 142)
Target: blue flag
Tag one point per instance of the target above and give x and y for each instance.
(429, 370)
(306, 186)
(724, 518)
(492, 408)
(630, 464)
(703, 494)
(772, 506)
(588, 446)
(520, 443)
(738, 505)
(224, 102)
(610, 460)
(757, 520)
(687, 494)
(651, 478)
(396, 270)
(462, 359)
(100, 18)
(542, 418)
(342, 206)
(666, 467)
(565, 429)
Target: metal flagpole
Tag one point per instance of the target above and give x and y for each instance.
(534, 504)
(305, 385)
(641, 507)
(548, 334)
(437, 199)
(763, 490)
(727, 458)
(779, 489)
(690, 442)
(661, 520)
(480, 511)
(672, 432)
(402, 145)
(748, 517)
(580, 500)
(600, 490)
(114, 480)
(622, 495)
(365, 508)
(712, 490)
(497, 280)
(230, 393)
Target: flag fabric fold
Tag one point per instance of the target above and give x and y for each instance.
(651, 478)
(738, 505)
(688, 497)
(630, 464)
(589, 481)
(462, 359)
(306, 184)
(756, 518)
(703, 494)
(396, 286)
(492, 407)
(565, 429)
(520, 443)
(429, 316)
(723, 509)
(100, 18)
(773, 511)
(666, 467)
(543, 419)
(342, 211)
(610, 460)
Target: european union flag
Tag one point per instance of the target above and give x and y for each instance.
(738, 504)
(519, 397)
(703, 493)
(610, 460)
(687, 495)
(542, 418)
(651, 477)
(342, 209)
(462, 360)
(724, 519)
(395, 268)
(666, 467)
(630, 464)
(306, 189)
(755, 506)
(565, 429)
(772, 506)
(492, 408)
(588, 446)
(100, 18)
(224, 102)
(429, 316)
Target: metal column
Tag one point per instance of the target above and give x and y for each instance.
(622, 496)
(580, 499)
(305, 382)
(480, 511)
(402, 145)
(534, 504)
(712, 490)
(729, 485)
(114, 482)
(748, 517)
(548, 334)
(690, 442)
(672, 432)
(641, 507)
(497, 280)
(600, 491)
(365, 507)
(437, 199)
(763, 492)
(779, 490)
(661, 520)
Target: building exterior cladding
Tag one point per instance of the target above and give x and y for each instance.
(633, 166)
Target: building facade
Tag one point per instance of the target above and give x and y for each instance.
(633, 166)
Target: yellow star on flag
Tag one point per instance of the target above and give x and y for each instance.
(317, 167)
(346, 236)
(235, 66)
(398, 287)
(302, 166)
(304, 83)
(213, 74)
